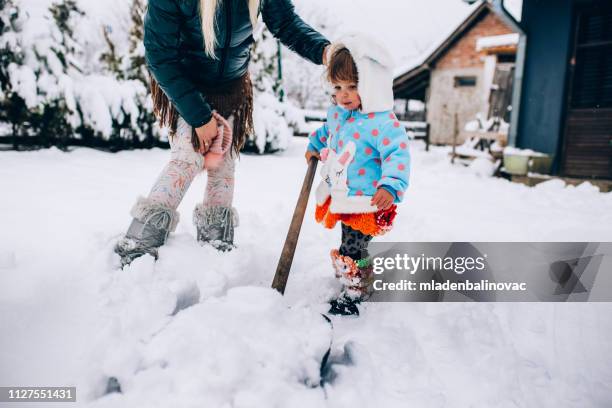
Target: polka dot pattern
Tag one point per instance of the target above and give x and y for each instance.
(381, 146)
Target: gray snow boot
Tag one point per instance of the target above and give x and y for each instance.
(148, 231)
(215, 226)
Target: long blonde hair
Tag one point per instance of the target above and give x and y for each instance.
(208, 11)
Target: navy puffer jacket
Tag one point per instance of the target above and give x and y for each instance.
(175, 55)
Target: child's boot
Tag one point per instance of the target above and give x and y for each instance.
(215, 226)
(356, 278)
(148, 231)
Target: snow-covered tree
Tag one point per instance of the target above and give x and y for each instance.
(304, 83)
(270, 115)
(10, 52)
(110, 58)
(136, 60)
(264, 62)
(136, 70)
(65, 15)
(130, 71)
(13, 108)
(54, 119)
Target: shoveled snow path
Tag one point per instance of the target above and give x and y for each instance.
(69, 318)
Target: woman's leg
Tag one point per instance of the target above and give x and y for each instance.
(215, 218)
(184, 165)
(155, 216)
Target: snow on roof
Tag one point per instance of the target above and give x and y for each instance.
(495, 41)
(411, 63)
(514, 7)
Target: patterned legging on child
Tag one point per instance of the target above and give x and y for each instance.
(185, 164)
(354, 243)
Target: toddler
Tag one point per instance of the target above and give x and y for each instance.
(364, 150)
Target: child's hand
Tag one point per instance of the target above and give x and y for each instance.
(221, 121)
(310, 154)
(382, 199)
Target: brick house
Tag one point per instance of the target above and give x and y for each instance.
(560, 80)
(469, 73)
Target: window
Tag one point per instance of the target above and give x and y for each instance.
(506, 58)
(462, 81)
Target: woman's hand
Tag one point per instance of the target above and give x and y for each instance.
(310, 154)
(206, 134)
(382, 199)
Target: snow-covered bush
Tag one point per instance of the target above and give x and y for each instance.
(59, 84)
(272, 130)
(13, 107)
(137, 121)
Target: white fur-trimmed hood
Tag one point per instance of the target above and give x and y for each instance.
(375, 67)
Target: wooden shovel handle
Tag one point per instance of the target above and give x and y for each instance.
(286, 259)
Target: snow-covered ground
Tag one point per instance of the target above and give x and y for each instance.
(69, 317)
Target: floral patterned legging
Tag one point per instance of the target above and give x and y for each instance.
(185, 164)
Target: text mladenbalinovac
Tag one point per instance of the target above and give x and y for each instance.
(459, 265)
(483, 285)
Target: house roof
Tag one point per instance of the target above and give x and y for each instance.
(414, 70)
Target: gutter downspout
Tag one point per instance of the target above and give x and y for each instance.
(500, 9)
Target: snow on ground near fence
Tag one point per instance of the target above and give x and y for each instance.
(69, 318)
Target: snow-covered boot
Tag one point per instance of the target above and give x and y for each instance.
(148, 231)
(215, 226)
(356, 277)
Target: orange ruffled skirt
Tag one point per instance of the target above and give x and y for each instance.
(373, 224)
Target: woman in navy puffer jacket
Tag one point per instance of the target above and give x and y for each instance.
(198, 53)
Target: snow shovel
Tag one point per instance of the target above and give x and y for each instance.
(286, 259)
